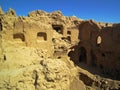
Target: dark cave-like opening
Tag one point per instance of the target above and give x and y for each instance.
(19, 36)
(58, 28)
(82, 56)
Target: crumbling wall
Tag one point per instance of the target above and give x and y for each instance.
(39, 36)
(31, 42)
(101, 46)
(109, 51)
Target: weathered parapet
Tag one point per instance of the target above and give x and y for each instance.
(102, 24)
(110, 38)
(30, 31)
(7, 20)
(86, 28)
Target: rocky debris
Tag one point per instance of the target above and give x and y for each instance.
(7, 23)
(86, 77)
(56, 15)
(37, 13)
(97, 82)
(60, 45)
(39, 74)
(106, 84)
(11, 12)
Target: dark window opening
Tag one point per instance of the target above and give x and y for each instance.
(59, 57)
(0, 25)
(69, 38)
(42, 36)
(103, 55)
(82, 56)
(64, 38)
(53, 40)
(69, 32)
(58, 28)
(71, 55)
(101, 66)
(4, 58)
(19, 36)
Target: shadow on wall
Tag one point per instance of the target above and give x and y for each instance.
(82, 55)
(19, 36)
(90, 51)
(42, 36)
(0, 25)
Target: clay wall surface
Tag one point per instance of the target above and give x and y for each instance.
(110, 48)
(102, 47)
(98, 46)
(39, 36)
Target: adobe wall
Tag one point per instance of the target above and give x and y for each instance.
(27, 31)
(30, 34)
(39, 36)
(86, 28)
(72, 34)
(110, 48)
(86, 36)
(88, 32)
(100, 47)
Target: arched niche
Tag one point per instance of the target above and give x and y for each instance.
(82, 55)
(19, 36)
(42, 36)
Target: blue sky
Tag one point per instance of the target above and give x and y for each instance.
(99, 10)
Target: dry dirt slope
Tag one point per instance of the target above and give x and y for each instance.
(31, 71)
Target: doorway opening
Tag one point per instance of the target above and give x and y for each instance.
(83, 55)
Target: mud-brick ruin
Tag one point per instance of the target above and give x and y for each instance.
(99, 46)
(46, 39)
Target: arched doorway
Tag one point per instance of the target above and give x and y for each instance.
(82, 55)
